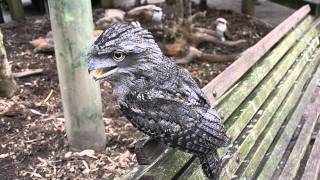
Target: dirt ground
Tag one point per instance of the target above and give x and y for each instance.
(32, 135)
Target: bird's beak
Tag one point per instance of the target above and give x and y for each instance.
(100, 69)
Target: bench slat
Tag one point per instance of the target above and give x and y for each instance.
(262, 92)
(270, 107)
(265, 87)
(192, 174)
(242, 64)
(277, 153)
(238, 94)
(233, 73)
(310, 116)
(269, 137)
(312, 168)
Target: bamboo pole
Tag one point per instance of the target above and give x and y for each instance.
(72, 27)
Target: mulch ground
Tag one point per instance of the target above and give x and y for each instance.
(33, 139)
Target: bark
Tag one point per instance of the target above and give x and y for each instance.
(8, 85)
(106, 3)
(195, 53)
(247, 7)
(72, 27)
(16, 9)
(180, 9)
(199, 37)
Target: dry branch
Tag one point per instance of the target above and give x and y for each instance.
(28, 72)
(199, 37)
(195, 53)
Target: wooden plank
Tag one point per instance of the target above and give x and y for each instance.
(167, 164)
(234, 72)
(260, 151)
(237, 95)
(270, 108)
(312, 168)
(249, 109)
(310, 116)
(280, 146)
(279, 117)
(266, 43)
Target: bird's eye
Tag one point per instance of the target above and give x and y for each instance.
(118, 56)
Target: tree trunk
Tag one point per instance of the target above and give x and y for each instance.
(1, 15)
(247, 7)
(16, 9)
(72, 27)
(106, 3)
(180, 9)
(7, 84)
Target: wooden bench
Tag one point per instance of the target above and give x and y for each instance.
(270, 102)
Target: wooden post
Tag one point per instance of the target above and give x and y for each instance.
(7, 84)
(106, 3)
(16, 9)
(72, 27)
(247, 7)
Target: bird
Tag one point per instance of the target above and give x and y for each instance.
(158, 97)
(221, 28)
(157, 15)
(148, 13)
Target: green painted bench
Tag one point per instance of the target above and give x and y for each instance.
(270, 102)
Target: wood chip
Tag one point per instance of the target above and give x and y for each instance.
(28, 72)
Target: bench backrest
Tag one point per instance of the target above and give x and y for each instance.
(262, 85)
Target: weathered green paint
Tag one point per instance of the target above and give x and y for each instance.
(236, 96)
(16, 9)
(270, 107)
(72, 27)
(277, 121)
(166, 170)
(165, 167)
(291, 168)
(261, 93)
(248, 110)
(284, 139)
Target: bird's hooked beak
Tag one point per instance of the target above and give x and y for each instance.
(101, 69)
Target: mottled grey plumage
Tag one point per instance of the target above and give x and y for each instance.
(158, 97)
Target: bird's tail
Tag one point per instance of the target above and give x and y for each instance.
(211, 164)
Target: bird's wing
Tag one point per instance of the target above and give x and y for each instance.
(184, 118)
(180, 114)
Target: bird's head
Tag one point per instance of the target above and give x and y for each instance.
(221, 21)
(122, 50)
